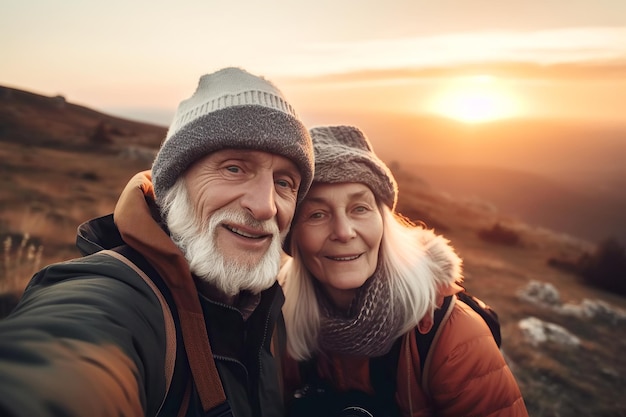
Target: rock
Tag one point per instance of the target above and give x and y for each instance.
(594, 309)
(538, 331)
(540, 293)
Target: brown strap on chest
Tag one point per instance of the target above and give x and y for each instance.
(199, 353)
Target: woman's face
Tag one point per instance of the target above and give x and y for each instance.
(338, 231)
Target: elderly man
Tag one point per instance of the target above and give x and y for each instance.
(172, 309)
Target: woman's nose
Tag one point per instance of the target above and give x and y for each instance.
(343, 229)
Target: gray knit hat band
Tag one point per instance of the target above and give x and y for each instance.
(344, 154)
(232, 109)
(238, 127)
(188, 111)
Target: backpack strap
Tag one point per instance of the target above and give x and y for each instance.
(216, 398)
(425, 341)
(486, 312)
(170, 329)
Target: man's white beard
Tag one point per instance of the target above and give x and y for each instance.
(197, 241)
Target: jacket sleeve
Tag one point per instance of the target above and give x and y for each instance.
(86, 339)
(468, 375)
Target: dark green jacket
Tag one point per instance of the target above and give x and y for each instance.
(88, 338)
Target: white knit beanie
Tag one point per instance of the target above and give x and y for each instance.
(344, 154)
(232, 109)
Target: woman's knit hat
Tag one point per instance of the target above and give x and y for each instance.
(232, 108)
(344, 154)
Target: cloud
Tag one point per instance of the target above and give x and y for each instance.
(544, 49)
(577, 71)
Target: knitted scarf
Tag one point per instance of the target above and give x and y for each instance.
(371, 325)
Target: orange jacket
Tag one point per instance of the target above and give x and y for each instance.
(465, 373)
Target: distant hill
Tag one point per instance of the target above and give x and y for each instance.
(554, 147)
(565, 205)
(565, 175)
(36, 120)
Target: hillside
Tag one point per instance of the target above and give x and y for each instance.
(56, 172)
(61, 164)
(590, 211)
(557, 379)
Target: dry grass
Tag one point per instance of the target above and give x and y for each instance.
(21, 257)
(50, 192)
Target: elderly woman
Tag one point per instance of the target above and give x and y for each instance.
(363, 289)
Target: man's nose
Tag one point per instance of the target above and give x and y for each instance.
(259, 198)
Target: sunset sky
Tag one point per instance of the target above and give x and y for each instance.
(472, 60)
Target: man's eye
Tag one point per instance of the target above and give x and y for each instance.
(285, 184)
(233, 168)
(282, 183)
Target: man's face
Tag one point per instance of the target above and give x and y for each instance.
(263, 185)
(241, 203)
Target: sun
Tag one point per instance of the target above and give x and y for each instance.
(475, 99)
